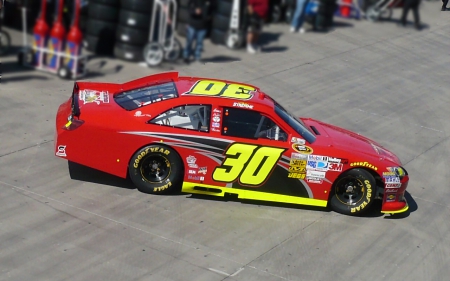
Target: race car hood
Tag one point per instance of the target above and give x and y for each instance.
(349, 141)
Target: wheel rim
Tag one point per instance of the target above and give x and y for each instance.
(232, 40)
(350, 191)
(155, 168)
(154, 54)
(172, 52)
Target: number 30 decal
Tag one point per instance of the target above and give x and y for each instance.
(252, 164)
(221, 89)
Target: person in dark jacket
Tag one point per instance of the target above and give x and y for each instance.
(257, 13)
(444, 5)
(414, 5)
(200, 15)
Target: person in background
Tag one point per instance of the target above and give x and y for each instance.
(414, 5)
(299, 16)
(1, 4)
(199, 17)
(444, 5)
(257, 12)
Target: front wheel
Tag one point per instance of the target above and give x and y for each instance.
(353, 192)
(156, 169)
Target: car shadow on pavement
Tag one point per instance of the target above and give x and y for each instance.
(9, 67)
(86, 174)
(220, 58)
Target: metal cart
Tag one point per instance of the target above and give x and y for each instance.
(162, 41)
(27, 57)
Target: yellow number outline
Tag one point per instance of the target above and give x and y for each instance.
(251, 164)
(221, 89)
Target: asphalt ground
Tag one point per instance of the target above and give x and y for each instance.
(383, 81)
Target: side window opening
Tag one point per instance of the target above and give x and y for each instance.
(191, 117)
(251, 125)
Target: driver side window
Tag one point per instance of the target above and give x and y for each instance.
(250, 124)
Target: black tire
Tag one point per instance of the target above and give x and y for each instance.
(353, 192)
(156, 169)
(224, 8)
(276, 14)
(131, 35)
(26, 57)
(128, 52)
(98, 28)
(183, 15)
(221, 22)
(288, 15)
(141, 6)
(64, 72)
(218, 36)
(134, 19)
(98, 45)
(103, 12)
(114, 3)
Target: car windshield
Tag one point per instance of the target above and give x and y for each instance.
(295, 123)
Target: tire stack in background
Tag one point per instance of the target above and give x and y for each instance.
(101, 26)
(182, 17)
(324, 18)
(221, 18)
(133, 29)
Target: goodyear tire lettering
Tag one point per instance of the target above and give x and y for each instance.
(146, 151)
(250, 163)
(368, 187)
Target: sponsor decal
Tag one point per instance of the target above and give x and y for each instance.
(318, 165)
(61, 151)
(315, 174)
(335, 167)
(243, 105)
(393, 185)
(297, 169)
(215, 130)
(298, 156)
(139, 114)
(363, 164)
(390, 198)
(196, 178)
(317, 158)
(386, 174)
(397, 170)
(296, 175)
(191, 161)
(334, 160)
(216, 119)
(202, 170)
(217, 111)
(299, 163)
(391, 190)
(90, 96)
(303, 149)
(192, 172)
(314, 180)
(215, 125)
(391, 179)
(298, 141)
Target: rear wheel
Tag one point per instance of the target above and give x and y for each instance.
(156, 169)
(353, 192)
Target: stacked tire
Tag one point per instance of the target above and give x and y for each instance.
(324, 18)
(101, 26)
(182, 17)
(221, 21)
(133, 29)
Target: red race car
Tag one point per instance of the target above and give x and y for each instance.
(220, 138)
